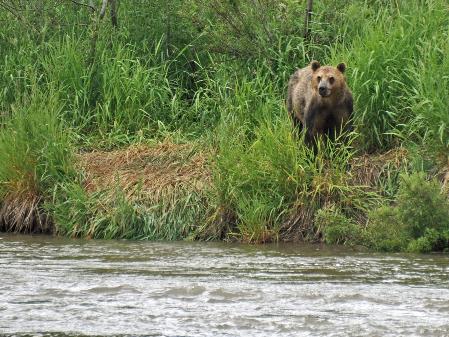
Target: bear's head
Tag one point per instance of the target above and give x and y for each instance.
(328, 81)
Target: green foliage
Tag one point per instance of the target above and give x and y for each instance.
(35, 156)
(111, 214)
(419, 220)
(256, 175)
(421, 205)
(164, 78)
(35, 151)
(429, 94)
(385, 231)
(121, 98)
(384, 72)
(336, 227)
(432, 240)
(248, 29)
(262, 172)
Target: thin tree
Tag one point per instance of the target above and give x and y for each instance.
(96, 25)
(308, 18)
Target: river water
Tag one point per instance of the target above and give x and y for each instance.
(59, 287)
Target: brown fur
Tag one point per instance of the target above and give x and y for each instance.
(308, 108)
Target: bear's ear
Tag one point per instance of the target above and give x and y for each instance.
(315, 65)
(342, 67)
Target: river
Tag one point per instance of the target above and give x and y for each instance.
(60, 287)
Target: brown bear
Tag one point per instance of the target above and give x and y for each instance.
(320, 100)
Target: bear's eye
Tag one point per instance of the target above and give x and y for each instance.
(319, 78)
(331, 80)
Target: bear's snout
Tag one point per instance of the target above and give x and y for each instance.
(323, 91)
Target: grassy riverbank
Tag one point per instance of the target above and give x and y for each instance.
(165, 128)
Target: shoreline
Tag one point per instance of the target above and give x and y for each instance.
(145, 176)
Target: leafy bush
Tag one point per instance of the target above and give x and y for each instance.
(421, 205)
(421, 213)
(385, 231)
(336, 227)
(432, 240)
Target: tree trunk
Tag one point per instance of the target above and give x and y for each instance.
(308, 18)
(95, 28)
(168, 32)
(114, 19)
(103, 8)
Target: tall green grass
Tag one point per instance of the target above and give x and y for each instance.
(35, 156)
(120, 98)
(383, 69)
(265, 179)
(428, 96)
(111, 214)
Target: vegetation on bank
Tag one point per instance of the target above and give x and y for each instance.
(165, 127)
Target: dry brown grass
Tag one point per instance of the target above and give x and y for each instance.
(367, 168)
(166, 180)
(24, 214)
(152, 172)
(298, 226)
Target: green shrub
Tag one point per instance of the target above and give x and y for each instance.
(336, 227)
(385, 231)
(421, 205)
(432, 240)
(421, 213)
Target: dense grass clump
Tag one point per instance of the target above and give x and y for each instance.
(162, 127)
(35, 156)
(384, 72)
(272, 187)
(152, 192)
(112, 215)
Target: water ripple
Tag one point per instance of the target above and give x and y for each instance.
(58, 288)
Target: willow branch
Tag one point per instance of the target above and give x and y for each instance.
(90, 5)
